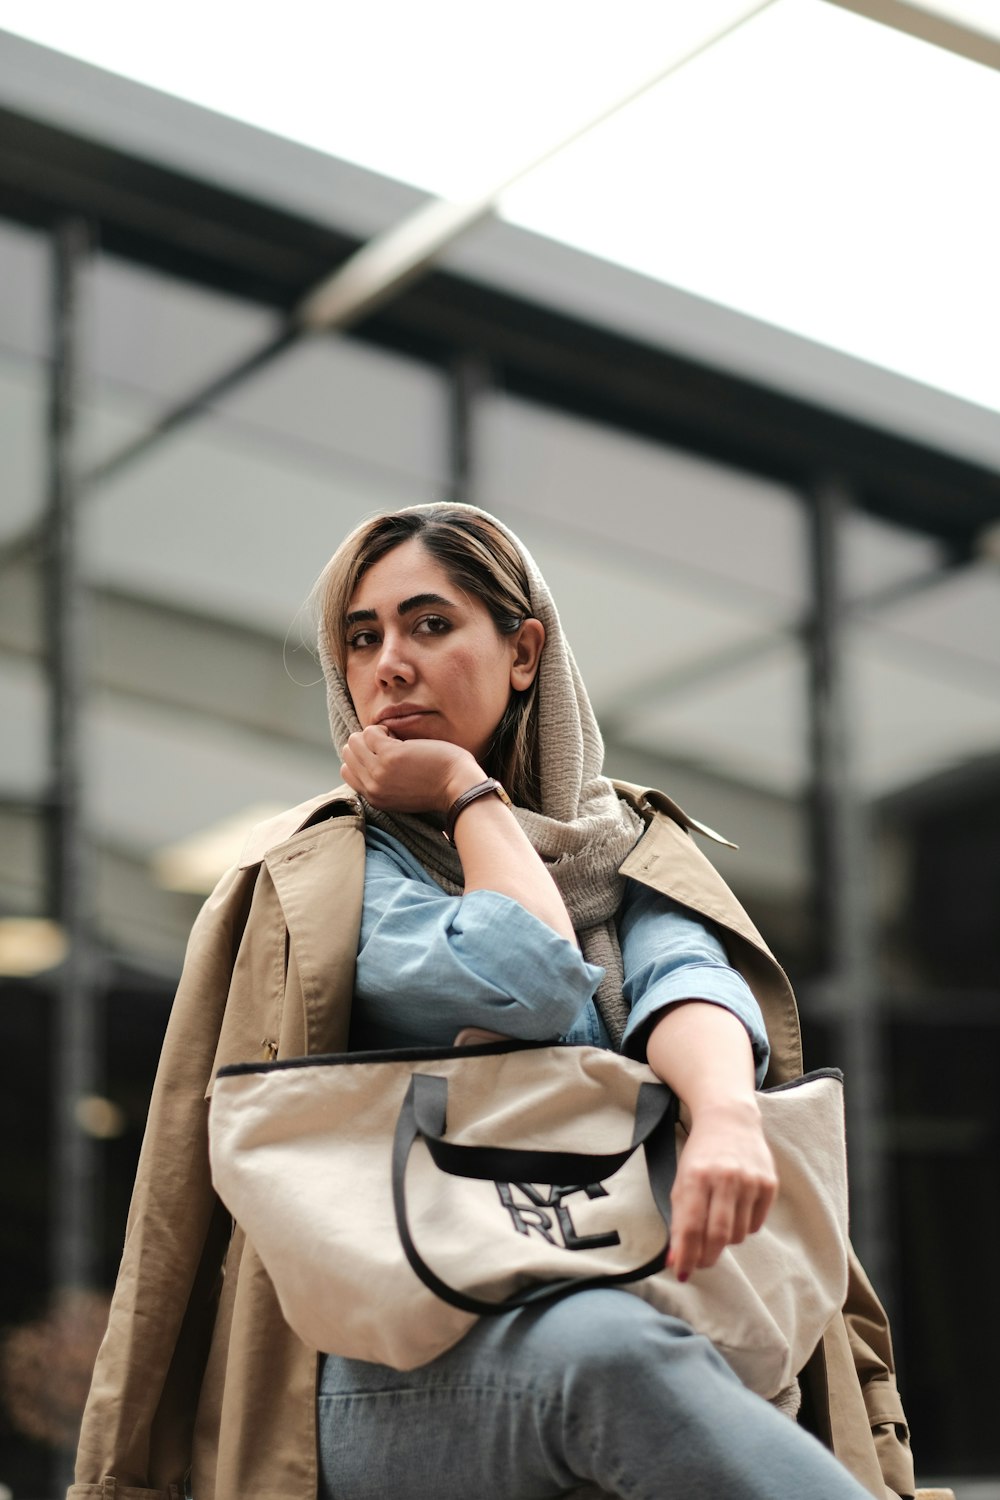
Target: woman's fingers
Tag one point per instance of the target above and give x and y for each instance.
(405, 775)
(702, 1229)
(720, 1196)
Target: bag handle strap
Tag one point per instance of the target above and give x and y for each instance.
(424, 1113)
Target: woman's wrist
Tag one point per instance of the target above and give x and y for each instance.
(467, 774)
(488, 787)
(741, 1107)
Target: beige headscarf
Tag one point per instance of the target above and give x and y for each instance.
(583, 831)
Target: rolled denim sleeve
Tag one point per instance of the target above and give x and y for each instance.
(670, 956)
(430, 964)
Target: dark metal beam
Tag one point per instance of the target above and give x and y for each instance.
(842, 853)
(940, 30)
(470, 377)
(77, 1168)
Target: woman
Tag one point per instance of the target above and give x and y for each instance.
(440, 914)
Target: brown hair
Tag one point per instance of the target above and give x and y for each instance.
(478, 558)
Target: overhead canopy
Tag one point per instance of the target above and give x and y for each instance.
(822, 171)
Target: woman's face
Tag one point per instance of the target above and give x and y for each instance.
(425, 659)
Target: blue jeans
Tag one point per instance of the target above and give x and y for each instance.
(596, 1395)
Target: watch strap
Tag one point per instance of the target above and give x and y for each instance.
(481, 789)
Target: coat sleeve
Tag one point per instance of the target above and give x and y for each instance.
(851, 1401)
(871, 1346)
(136, 1432)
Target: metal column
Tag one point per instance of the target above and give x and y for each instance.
(76, 1180)
(843, 861)
(470, 377)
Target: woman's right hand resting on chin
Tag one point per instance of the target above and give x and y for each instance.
(407, 776)
(420, 776)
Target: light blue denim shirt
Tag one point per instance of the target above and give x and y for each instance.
(430, 964)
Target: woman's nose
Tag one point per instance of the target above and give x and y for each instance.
(393, 663)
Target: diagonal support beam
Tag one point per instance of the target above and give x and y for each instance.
(391, 261)
(929, 25)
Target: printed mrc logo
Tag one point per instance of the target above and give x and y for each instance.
(533, 1211)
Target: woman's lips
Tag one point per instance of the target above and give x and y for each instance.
(395, 719)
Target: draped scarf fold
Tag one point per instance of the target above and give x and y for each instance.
(583, 831)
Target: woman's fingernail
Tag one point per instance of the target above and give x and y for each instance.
(682, 1275)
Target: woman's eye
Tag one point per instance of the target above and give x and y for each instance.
(360, 639)
(433, 625)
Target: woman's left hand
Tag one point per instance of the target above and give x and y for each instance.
(725, 1185)
(726, 1180)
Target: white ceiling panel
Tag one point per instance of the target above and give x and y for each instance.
(916, 720)
(230, 527)
(343, 397)
(954, 626)
(749, 725)
(22, 444)
(666, 512)
(162, 337)
(24, 749)
(155, 777)
(742, 178)
(24, 290)
(879, 556)
(626, 630)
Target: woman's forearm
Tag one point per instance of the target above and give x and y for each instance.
(497, 856)
(725, 1181)
(703, 1052)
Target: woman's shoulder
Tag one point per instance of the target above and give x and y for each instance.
(668, 859)
(270, 832)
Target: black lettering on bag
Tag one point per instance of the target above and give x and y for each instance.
(531, 1215)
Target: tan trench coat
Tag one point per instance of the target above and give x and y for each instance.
(198, 1369)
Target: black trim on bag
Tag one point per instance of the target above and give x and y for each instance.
(424, 1113)
(441, 1054)
(795, 1083)
(399, 1054)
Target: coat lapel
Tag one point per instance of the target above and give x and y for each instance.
(318, 875)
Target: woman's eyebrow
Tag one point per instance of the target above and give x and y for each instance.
(416, 601)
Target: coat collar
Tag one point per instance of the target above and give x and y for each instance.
(274, 831)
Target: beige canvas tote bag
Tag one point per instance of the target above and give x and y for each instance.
(394, 1197)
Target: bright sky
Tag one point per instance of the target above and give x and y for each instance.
(812, 169)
